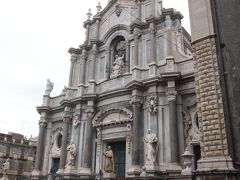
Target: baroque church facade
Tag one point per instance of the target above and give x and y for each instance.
(129, 109)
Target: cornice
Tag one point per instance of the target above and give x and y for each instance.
(74, 50)
(134, 85)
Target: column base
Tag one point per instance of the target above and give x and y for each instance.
(215, 163)
(216, 175)
(216, 168)
(134, 171)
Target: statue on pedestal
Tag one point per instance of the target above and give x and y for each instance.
(49, 87)
(5, 169)
(151, 143)
(71, 148)
(109, 161)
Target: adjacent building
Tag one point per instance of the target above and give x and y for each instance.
(21, 153)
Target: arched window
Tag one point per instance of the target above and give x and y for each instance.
(59, 140)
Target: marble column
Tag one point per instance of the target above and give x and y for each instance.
(97, 29)
(94, 51)
(83, 67)
(71, 74)
(135, 53)
(40, 147)
(108, 61)
(136, 140)
(66, 119)
(153, 43)
(128, 55)
(174, 146)
(87, 159)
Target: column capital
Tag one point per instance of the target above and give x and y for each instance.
(90, 112)
(73, 59)
(171, 94)
(42, 123)
(137, 102)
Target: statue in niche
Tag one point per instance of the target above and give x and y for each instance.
(5, 169)
(71, 148)
(49, 87)
(151, 143)
(109, 161)
(5, 166)
(118, 67)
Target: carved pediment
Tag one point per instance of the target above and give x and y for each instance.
(112, 116)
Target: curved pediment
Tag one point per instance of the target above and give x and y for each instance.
(112, 116)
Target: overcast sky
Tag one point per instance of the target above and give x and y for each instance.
(35, 36)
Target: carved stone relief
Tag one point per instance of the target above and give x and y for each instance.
(152, 104)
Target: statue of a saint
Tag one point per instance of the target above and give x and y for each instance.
(118, 66)
(5, 168)
(109, 161)
(151, 143)
(49, 87)
(71, 148)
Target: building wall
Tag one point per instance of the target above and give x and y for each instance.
(212, 102)
(155, 91)
(226, 29)
(21, 153)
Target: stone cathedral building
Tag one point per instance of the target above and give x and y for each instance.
(129, 109)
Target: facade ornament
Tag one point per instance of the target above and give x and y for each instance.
(152, 147)
(98, 139)
(152, 104)
(118, 67)
(76, 120)
(187, 160)
(129, 126)
(109, 160)
(5, 169)
(49, 87)
(187, 125)
(118, 10)
(99, 7)
(89, 14)
(99, 117)
(71, 150)
(171, 94)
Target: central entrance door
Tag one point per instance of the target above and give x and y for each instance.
(119, 153)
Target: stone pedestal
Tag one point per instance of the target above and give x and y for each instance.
(152, 69)
(134, 171)
(5, 177)
(152, 170)
(109, 176)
